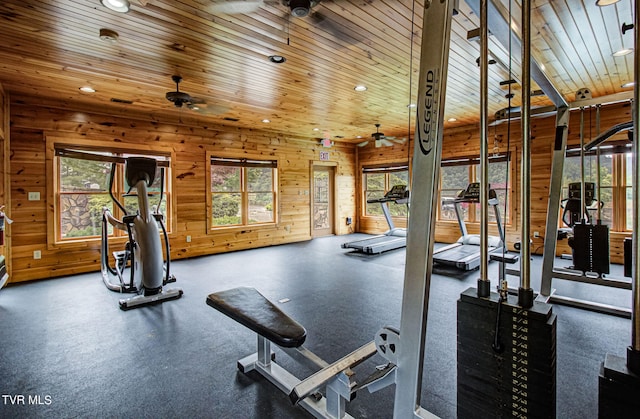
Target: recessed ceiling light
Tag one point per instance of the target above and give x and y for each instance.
(623, 52)
(87, 89)
(629, 84)
(358, 136)
(121, 6)
(266, 121)
(605, 2)
(278, 59)
(452, 119)
(316, 129)
(360, 88)
(195, 108)
(108, 35)
(411, 105)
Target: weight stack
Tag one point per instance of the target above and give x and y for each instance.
(618, 389)
(519, 381)
(591, 248)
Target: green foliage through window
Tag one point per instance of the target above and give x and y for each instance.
(84, 192)
(378, 181)
(242, 191)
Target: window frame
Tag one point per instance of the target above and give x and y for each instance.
(618, 150)
(53, 184)
(246, 159)
(387, 169)
(473, 165)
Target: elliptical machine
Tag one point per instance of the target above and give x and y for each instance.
(142, 256)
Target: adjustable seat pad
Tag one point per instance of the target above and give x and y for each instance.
(251, 309)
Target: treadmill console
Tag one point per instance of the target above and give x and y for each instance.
(472, 193)
(398, 193)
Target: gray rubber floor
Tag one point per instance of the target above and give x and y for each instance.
(69, 351)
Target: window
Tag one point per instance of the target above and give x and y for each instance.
(377, 181)
(243, 191)
(457, 174)
(616, 182)
(82, 179)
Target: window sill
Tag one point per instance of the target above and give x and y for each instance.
(87, 243)
(260, 226)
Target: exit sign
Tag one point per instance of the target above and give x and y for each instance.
(324, 155)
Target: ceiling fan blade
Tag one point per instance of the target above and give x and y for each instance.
(386, 143)
(362, 144)
(208, 109)
(197, 100)
(337, 26)
(233, 7)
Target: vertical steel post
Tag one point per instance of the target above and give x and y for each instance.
(525, 293)
(599, 206)
(425, 179)
(633, 351)
(583, 200)
(484, 284)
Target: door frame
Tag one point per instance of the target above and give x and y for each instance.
(333, 194)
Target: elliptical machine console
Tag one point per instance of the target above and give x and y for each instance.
(142, 257)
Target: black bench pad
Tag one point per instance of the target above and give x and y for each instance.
(253, 310)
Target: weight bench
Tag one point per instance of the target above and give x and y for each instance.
(251, 309)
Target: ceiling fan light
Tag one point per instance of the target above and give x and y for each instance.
(300, 8)
(360, 88)
(121, 6)
(602, 3)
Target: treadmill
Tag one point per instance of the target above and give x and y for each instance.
(465, 253)
(394, 238)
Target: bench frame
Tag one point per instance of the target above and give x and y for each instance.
(272, 326)
(337, 378)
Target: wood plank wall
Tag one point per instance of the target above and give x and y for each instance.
(5, 196)
(33, 119)
(465, 141)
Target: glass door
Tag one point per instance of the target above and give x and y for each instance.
(322, 201)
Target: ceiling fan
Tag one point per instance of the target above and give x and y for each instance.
(332, 23)
(382, 140)
(298, 8)
(180, 99)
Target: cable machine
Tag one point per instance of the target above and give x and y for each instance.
(514, 376)
(404, 348)
(590, 265)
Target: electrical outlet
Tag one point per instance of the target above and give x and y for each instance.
(37, 254)
(188, 239)
(34, 196)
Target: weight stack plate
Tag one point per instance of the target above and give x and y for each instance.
(519, 381)
(618, 389)
(591, 248)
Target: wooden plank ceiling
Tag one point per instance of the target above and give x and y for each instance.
(51, 48)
